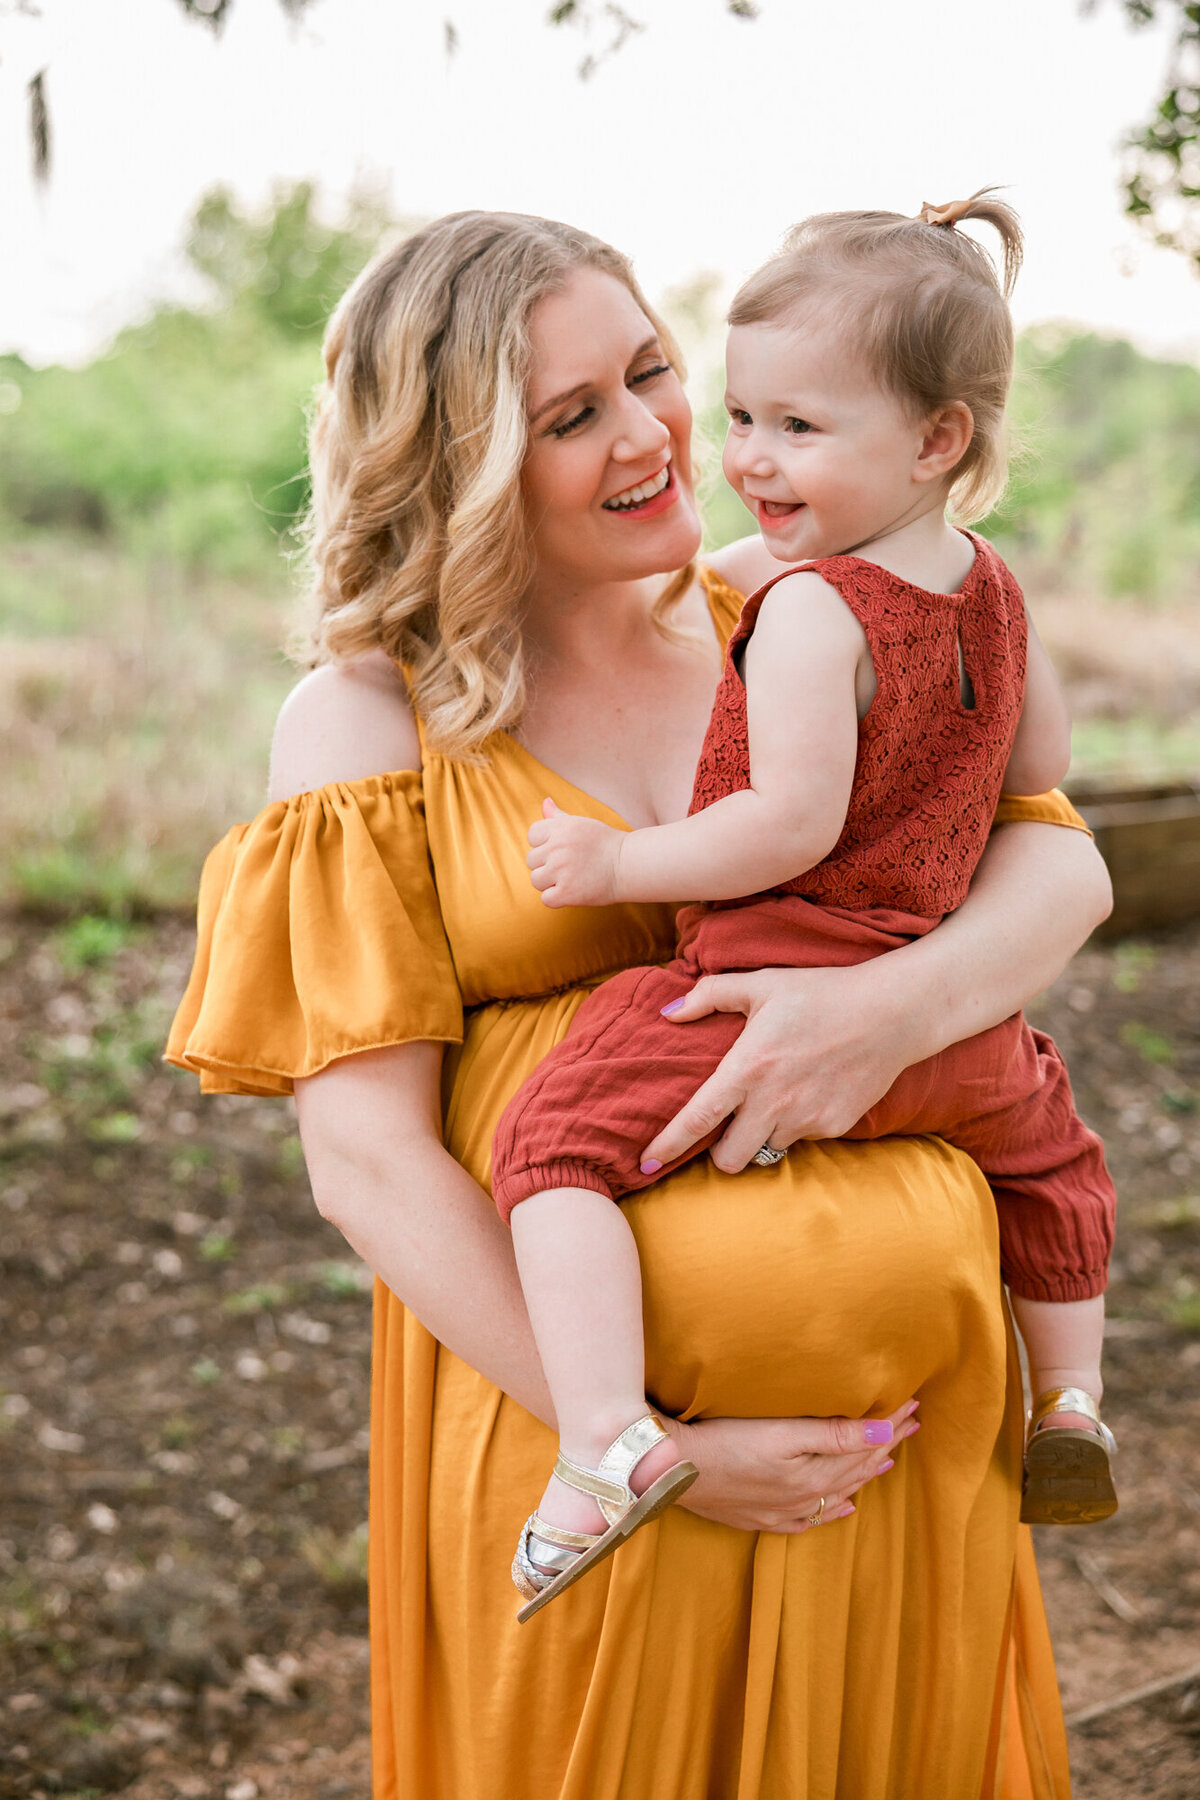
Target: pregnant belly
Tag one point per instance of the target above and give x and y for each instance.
(843, 1280)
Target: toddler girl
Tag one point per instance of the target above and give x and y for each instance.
(875, 700)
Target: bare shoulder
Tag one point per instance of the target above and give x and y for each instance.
(744, 564)
(805, 596)
(343, 722)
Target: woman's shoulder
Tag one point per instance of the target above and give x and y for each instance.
(743, 565)
(344, 722)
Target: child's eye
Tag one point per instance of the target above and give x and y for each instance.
(569, 425)
(649, 374)
(797, 427)
(738, 417)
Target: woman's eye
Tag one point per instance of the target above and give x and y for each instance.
(797, 427)
(571, 424)
(649, 374)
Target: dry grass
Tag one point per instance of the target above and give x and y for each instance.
(136, 707)
(1132, 674)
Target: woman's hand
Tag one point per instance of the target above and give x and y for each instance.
(772, 1474)
(820, 1047)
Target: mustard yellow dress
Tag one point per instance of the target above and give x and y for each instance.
(899, 1655)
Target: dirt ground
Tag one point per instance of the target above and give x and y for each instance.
(183, 1396)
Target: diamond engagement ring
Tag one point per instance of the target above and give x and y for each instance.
(766, 1158)
(816, 1517)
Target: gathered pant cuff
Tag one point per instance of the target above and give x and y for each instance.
(515, 1185)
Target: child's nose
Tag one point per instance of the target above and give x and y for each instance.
(747, 456)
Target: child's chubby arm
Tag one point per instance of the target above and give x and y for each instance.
(800, 670)
(1041, 752)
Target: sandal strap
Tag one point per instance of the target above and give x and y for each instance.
(608, 1484)
(556, 1550)
(1071, 1400)
(559, 1535)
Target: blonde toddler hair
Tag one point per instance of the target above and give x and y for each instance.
(417, 535)
(922, 304)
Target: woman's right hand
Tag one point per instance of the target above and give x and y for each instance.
(771, 1474)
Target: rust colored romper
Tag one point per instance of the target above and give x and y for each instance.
(926, 786)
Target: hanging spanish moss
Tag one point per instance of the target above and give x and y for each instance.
(39, 126)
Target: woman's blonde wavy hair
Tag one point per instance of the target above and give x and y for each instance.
(923, 304)
(416, 534)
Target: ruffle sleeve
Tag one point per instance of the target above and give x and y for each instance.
(319, 935)
(1042, 809)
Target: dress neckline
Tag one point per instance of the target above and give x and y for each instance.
(712, 584)
(961, 592)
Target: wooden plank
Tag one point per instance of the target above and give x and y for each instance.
(1150, 839)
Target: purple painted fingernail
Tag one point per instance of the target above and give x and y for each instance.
(884, 1467)
(878, 1431)
(672, 1006)
(650, 1167)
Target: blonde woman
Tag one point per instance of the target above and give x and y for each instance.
(503, 510)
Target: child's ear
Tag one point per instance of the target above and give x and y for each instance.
(948, 435)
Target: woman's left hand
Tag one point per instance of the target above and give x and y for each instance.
(820, 1047)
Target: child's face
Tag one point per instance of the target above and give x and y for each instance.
(824, 458)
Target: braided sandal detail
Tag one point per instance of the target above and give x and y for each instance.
(570, 1554)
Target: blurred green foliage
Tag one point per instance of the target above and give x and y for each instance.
(1106, 483)
(185, 440)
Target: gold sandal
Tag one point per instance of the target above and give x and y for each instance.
(572, 1553)
(1068, 1480)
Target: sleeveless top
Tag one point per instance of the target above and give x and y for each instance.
(930, 768)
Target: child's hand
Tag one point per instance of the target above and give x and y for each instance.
(574, 860)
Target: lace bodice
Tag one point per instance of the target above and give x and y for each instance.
(930, 768)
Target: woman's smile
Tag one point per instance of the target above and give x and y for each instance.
(646, 498)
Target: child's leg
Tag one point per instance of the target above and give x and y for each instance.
(1005, 1098)
(582, 1281)
(593, 1104)
(1064, 1340)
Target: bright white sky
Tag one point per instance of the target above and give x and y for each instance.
(692, 149)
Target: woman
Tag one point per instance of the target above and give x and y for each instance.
(490, 510)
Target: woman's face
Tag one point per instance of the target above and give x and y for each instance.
(607, 480)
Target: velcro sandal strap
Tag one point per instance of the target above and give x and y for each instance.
(609, 1483)
(610, 1494)
(626, 1452)
(1071, 1400)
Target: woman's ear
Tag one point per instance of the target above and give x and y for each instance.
(948, 434)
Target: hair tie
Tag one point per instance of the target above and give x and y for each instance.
(948, 214)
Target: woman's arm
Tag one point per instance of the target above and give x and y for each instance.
(1041, 752)
(379, 1172)
(821, 1046)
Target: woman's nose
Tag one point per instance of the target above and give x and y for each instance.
(641, 432)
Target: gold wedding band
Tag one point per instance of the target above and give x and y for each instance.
(816, 1518)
